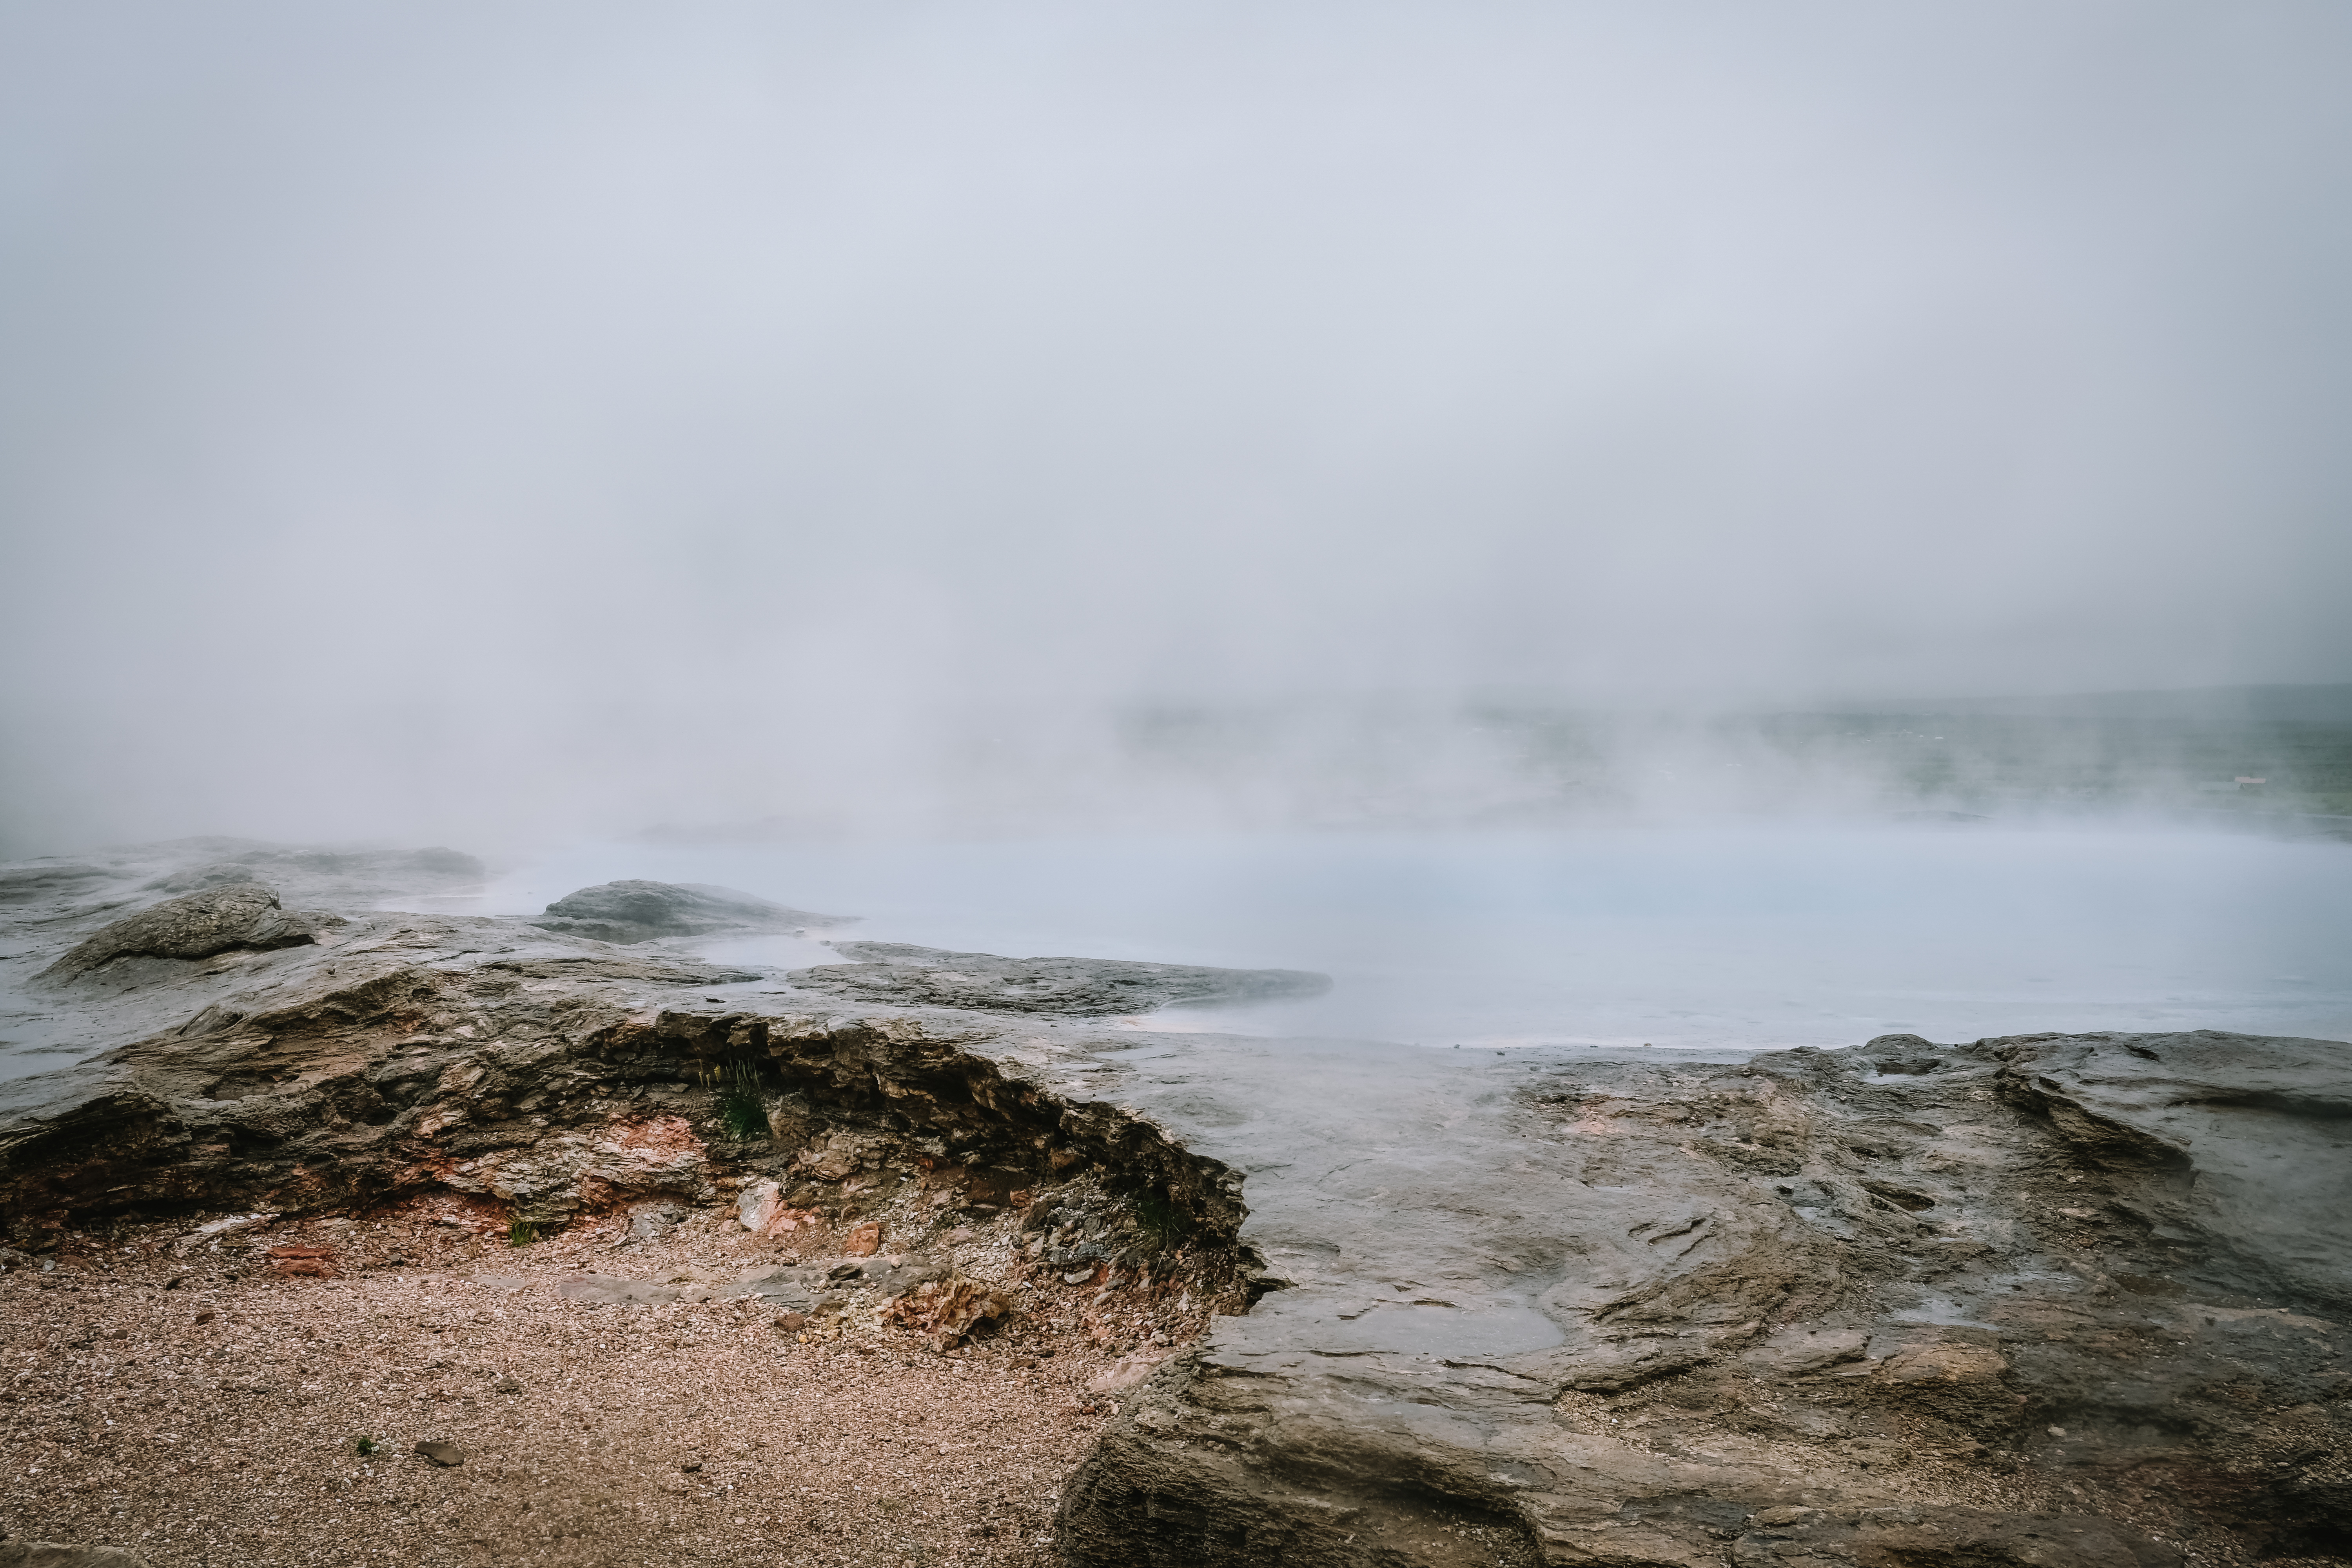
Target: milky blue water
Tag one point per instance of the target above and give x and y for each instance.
(1744, 936)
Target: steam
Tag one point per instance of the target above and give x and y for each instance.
(488, 424)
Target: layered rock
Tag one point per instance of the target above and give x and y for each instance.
(485, 1057)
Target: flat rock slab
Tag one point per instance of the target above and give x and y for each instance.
(1618, 1312)
(51, 1554)
(611, 1290)
(635, 911)
(890, 971)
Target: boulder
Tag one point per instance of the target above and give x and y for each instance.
(219, 920)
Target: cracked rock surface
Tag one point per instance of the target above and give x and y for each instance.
(2018, 1309)
(2043, 1299)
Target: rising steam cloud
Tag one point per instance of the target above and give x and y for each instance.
(539, 418)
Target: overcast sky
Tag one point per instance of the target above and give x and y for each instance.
(411, 412)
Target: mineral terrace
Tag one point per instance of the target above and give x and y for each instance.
(614, 1255)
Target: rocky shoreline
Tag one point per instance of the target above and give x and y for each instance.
(2047, 1299)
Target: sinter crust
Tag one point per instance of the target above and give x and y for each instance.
(2015, 1301)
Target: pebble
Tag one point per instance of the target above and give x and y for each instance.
(662, 1372)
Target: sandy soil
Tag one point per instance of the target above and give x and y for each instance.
(201, 1405)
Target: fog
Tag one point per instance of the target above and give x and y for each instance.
(525, 423)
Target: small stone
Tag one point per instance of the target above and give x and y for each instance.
(445, 1455)
(657, 1219)
(758, 1206)
(1123, 1372)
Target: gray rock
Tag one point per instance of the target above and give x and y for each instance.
(1073, 987)
(200, 925)
(635, 911)
(800, 1287)
(790, 1288)
(2259, 1125)
(655, 1219)
(49, 1555)
(1615, 1308)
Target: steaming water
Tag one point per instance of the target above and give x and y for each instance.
(1694, 938)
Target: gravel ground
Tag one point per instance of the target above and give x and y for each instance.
(203, 1404)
